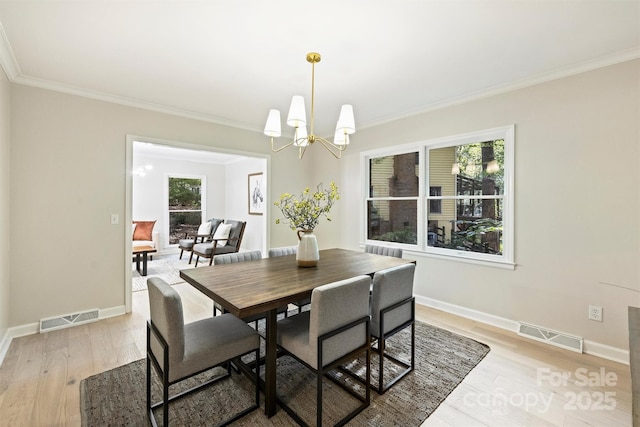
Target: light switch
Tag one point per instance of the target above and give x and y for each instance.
(115, 219)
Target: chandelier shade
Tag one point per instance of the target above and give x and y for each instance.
(272, 127)
(297, 118)
(297, 115)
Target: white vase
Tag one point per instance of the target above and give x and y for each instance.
(308, 254)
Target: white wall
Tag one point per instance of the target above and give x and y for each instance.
(237, 192)
(149, 191)
(226, 194)
(577, 203)
(5, 224)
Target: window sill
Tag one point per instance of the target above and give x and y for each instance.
(505, 265)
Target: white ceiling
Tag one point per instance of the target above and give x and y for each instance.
(229, 61)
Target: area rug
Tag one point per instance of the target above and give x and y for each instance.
(165, 267)
(443, 359)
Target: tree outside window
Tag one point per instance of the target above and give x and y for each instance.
(185, 207)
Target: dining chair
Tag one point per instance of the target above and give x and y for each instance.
(383, 250)
(335, 330)
(179, 351)
(392, 310)
(289, 250)
(241, 257)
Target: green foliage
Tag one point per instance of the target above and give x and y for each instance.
(471, 236)
(406, 235)
(184, 193)
(469, 158)
(304, 212)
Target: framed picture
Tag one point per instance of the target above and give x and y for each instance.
(256, 193)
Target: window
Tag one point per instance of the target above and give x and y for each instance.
(185, 203)
(392, 205)
(435, 205)
(449, 197)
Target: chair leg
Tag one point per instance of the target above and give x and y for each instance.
(190, 257)
(211, 260)
(181, 251)
(197, 259)
(165, 398)
(149, 387)
(258, 377)
(319, 398)
(381, 343)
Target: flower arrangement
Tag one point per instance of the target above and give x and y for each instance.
(304, 213)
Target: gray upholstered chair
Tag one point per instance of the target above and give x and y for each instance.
(241, 257)
(335, 330)
(237, 257)
(383, 250)
(201, 236)
(392, 310)
(227, 245)
(284, 251)
(179, 351)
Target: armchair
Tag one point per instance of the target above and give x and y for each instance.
(225, 240)
(204, 233)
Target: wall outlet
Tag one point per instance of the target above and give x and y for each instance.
(595, 313)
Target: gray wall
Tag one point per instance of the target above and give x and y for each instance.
(577, 200)
(5, 287)
(577, 208)
(68, 175)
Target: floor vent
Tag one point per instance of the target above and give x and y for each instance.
(68, 320)
(548, 336)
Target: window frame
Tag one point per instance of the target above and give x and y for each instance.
(506, 133)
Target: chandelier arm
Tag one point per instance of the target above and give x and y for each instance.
(275, 150)
(302, 150)
(336, 150)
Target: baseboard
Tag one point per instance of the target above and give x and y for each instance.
(119, 310)
(489, 319)
(4, 345)
(590, 347)
(606, 352)
(34, 328)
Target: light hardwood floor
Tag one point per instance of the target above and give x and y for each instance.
(520, 382)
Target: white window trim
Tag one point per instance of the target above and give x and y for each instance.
(507, 133)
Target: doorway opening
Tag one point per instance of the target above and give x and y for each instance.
(218, 181)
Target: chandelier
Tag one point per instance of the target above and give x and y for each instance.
(297, 119)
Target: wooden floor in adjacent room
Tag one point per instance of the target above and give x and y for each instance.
(520, 382)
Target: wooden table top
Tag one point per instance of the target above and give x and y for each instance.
(253, 287)
(143, 249)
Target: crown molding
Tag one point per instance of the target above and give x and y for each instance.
(12, 70)
(7, 58)
(130, 102)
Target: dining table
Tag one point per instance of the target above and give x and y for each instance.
(261, 286)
